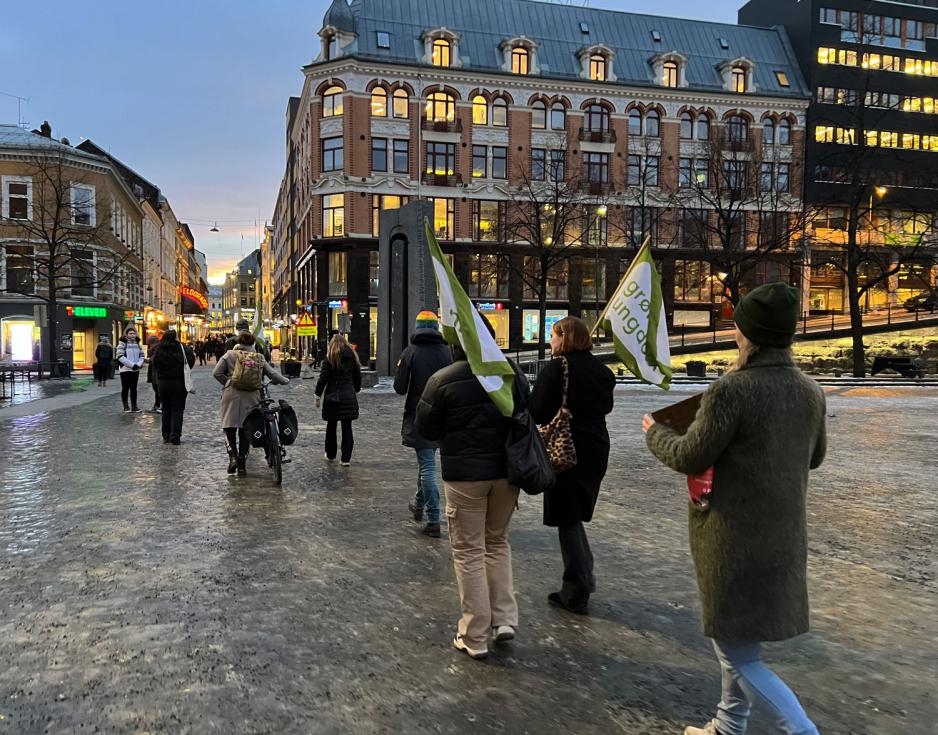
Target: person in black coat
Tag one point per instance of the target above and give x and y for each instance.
(570, 503)
(426, 354)
(104, 356)
(339, 381)
(169, 362)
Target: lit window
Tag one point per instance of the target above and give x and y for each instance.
(442, 52)
(598, 68)
(379, 102)
(500, 112)
(384, 39)
(332, 102)
(480, 110)
(441, 107)
(401, 104)
(333, 215)
(539, 115)
(669, 75)
(520, 60)
(443, 218)
(782, 79)
(739, 79)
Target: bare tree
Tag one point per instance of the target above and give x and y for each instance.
(735, 206)
(62, 243)
(878, 228)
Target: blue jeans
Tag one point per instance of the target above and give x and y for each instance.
(745, 679)
(428, 491)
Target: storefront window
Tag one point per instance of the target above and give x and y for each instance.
(338, 275)
(373, 271)
(499, 318)
(529, 327)
(21, 340)
(693, 281)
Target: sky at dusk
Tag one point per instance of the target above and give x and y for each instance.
(191, 94)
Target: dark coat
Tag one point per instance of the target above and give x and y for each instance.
(167, 361)
(589, 399)
(340, 384)
(762, 430)
(456, 411)
(104, 353)
(426, 354)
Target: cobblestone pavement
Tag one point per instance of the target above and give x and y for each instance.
(146, 591)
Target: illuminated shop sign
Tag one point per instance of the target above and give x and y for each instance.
(87, 312)
(491, 306)
(192, 300)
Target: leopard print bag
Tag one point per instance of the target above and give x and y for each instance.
(558, 434)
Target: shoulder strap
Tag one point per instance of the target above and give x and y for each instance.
(566, 380)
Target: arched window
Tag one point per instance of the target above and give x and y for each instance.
(597, 119)
(558, 116)
(539, 115)
(480, 110)
(687, 126)
(500, 112)
(738, 80)
(768, 132)
(379, 102)
(635, 121)
(652, 124)
(442, 52)
(401, 104)
(703, 127)
(332, 102)
(598, 68)
(669, 74)
(737, 129)
(520, 60)
(441, 107)
(783, 134)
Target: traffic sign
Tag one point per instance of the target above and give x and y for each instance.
(306, 327)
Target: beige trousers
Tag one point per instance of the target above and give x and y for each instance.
(478, 514)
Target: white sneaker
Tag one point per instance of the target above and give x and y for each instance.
(328, 458)
(477, 654)
(709, 729)
(503, 633)
(345, 464)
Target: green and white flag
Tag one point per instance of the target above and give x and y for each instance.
(635, 316)
(462, 325)
(257, 329)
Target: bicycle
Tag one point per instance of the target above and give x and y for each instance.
(274, 450)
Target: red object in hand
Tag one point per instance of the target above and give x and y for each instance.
(700, 487)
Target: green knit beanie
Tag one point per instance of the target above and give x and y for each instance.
(768, 315)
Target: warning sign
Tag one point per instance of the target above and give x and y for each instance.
(306, 327)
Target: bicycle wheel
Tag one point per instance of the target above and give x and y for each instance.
(276, 455)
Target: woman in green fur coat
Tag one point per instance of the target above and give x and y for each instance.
(761, 428)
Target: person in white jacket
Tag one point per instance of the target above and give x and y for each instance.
(130, 357)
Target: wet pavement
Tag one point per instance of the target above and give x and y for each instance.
(146, 591)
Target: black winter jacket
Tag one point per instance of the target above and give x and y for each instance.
(456, 411)
(340, 384)
(168, 359)
(573, 496)
(426, 354)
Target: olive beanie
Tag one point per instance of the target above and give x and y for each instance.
(768, 315)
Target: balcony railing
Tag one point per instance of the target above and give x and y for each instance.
(432, 179)
(442, 126)
(597, 136)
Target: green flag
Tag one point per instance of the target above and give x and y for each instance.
(462, 325)
(635, 316)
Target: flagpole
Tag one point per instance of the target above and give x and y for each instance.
(621, 281)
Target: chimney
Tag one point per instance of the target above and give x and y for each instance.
(45, 130)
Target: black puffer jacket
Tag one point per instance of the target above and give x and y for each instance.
(426, 354)
(456, 411)
(168, 360)
(339, 385)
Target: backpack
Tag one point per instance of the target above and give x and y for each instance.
(248, 371)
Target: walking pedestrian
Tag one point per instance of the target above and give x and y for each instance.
(576, 379)
(103, 355)
(426, 354)
(130, 357)
(169, 365)
(761, 429)
(200, 351)
(152, 342)
(241, 373)
(339, 381)
(456, 411)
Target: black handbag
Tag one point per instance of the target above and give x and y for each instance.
(529, 465)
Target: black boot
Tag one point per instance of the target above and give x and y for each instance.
(232, 462)
(242, 468)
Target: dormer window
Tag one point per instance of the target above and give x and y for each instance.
(739, 82)
(442, 52)
(332, 102)
(669, 74)
(598, 68)
(519, 56)
(738, 76)
(520, 61)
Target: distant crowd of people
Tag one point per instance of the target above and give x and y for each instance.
(758, 432)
